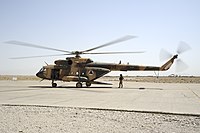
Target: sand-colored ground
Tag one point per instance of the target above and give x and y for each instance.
(153, 79)
(42, 119)
(18, 77)
(162, 79)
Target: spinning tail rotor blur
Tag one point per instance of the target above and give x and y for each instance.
(180, 64)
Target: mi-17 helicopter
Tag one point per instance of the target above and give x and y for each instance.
(84, 70)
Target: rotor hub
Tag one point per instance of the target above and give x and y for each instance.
(176, 56)
(77, 54)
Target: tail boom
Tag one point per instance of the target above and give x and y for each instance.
(168, 64)
(123, 67)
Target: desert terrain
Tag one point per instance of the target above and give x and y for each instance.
(41, 119)
(153, 79)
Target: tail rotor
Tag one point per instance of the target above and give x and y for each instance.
(165, 55)
(180, 66)
(182, 48)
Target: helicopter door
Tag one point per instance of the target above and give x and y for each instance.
(55, 74)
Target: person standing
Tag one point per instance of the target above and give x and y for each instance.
(121, 78)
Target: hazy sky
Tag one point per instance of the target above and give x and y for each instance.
(82, 24)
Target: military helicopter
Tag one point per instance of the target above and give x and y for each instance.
(84, 70)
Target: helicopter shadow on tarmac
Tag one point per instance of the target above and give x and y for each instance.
(135, 88)
(66, 87)
(99, 89)
(88, 89)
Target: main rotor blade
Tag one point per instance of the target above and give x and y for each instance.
(34, 46)
(38, 56)
(125, 38)
(115, 52)
(183, 47)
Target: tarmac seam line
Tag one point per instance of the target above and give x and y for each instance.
(117, 110)
(194, 92)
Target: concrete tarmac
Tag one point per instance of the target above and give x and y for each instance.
(135, 96)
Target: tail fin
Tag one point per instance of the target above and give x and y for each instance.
(168, 64)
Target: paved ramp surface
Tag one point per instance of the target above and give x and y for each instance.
(155, 97)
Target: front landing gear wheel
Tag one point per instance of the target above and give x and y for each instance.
(88, 84)
(79, 85)
(54, 85)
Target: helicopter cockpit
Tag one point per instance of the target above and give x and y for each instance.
(41, 72)
(42, 69)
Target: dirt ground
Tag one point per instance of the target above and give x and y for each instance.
(42, 119)
(162, 79)
(153, 79)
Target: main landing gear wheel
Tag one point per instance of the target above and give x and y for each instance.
(79, 85)
(54, 85)
(88, 84)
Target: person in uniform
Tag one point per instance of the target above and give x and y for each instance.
(121, 78)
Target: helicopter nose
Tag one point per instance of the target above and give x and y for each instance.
(40, 75)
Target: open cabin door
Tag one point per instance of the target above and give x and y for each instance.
(55, 74)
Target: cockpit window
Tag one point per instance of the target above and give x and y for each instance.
(42, 69)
